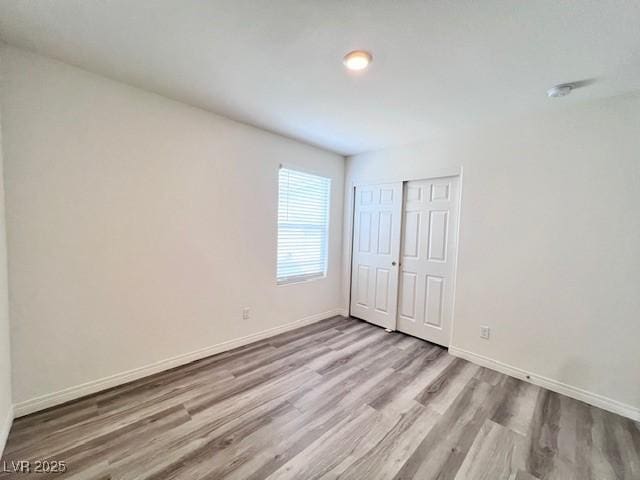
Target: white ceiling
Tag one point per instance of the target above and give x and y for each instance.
(438, 64)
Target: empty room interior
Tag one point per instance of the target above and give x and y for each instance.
(304, 239)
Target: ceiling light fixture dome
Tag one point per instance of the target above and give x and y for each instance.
(357, 60)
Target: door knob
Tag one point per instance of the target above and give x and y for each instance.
(393, 264)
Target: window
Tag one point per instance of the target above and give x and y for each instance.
(303, 225)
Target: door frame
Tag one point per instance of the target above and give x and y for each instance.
(427, 175)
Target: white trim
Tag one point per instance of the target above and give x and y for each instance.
(71, 393)
(303, 169)
(591, 398)
(293, 280)
(5, 427)
(428, 175)
(456, 260)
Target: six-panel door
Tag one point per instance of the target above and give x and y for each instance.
(376, 247)
(428, 255)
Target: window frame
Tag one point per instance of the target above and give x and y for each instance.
(309, 277)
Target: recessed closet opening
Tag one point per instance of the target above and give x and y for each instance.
(404, 253)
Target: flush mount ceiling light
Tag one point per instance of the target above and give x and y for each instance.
(357, 60)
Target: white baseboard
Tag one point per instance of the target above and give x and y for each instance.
(591, 398)
(56, 398)
(4, 429)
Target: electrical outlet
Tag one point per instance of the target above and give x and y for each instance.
(484, 332)
(246, 313)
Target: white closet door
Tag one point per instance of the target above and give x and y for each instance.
(428, 254)
(376, 247)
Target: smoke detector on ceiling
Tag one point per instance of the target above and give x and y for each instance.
(560, 90)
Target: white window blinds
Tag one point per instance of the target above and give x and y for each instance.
(303, 225)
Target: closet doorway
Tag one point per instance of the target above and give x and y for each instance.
(404, 255)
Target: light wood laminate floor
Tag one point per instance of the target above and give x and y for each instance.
(336, 399)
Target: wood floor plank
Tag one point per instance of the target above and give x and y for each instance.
(342, 355)
(330, 449)
(304, 332)
(97, 471)
(518, 407)
(298, 441)
(440, 393)
(608, 461)
(375, 431)
(544, 435)
(496, 453)
(522, 475)
(629, 443)
(489, 376)
(24, 433)
(441, 453)
(121, 442)
(166, 457)
(336, 399)
(400, 399)
(390, 453)
(260, 455)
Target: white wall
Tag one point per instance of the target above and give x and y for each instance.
(549, 242)
(6, 410)
(139, 227)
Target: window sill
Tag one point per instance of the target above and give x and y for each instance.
(298, 281)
